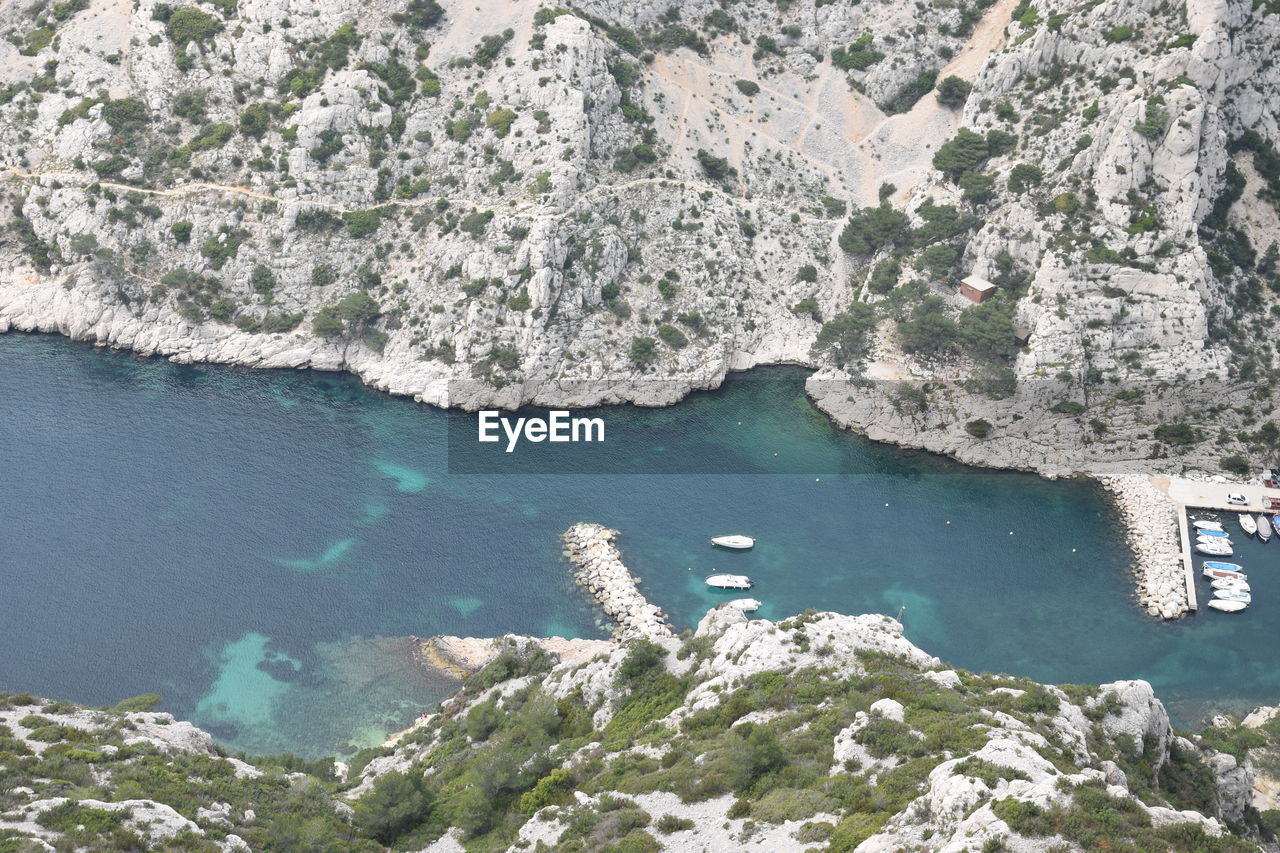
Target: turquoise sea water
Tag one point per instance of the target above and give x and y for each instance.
(254, 545)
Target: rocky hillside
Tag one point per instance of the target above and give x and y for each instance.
(818, 732)
(494, 201)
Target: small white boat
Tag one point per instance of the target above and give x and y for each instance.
(1232, 595)
(729, 581)
(1227, 606)
(1230, 583)
(1211, 540)
(1248, 524)
(736, 542)
(1264, 528)
(1201, 524)
(746, 605)
(1213, 549)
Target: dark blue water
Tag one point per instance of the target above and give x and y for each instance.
(251, 544)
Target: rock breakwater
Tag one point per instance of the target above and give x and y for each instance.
(1151, 526)
(601, 570)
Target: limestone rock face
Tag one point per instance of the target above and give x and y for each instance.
(1046, 759)
(624, 203)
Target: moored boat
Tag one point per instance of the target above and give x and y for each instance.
(729, 581)
(1209, 540)
(1214, 534)
(1264, 528)
(1232, 595)
(736, 542)
(1247, 524)
(1227, 606)
(1230, 583)
(1214, 550)
(1275, 522)
(1203, 524)
(1226, 567)
(1214, 574)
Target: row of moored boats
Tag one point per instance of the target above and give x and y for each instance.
(735, 542)
(1230, 584)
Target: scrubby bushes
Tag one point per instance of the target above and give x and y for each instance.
(953, 91)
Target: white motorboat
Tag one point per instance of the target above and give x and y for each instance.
(1213, 549)
(1230, 583)
(746, 605)
(1227, 606)
(1201, 524)
(1264, 528)
(729, 581)
(736, 542)
(1248, 524)
(1232, 595)
(1214, 540)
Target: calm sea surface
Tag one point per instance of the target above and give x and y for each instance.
(254, 545)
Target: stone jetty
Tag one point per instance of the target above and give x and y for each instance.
(600, 569)
(1151, 522)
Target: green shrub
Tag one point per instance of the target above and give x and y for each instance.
(1023, 177)
(643, 350)
(552, 788)
(419, 14)
(909, 94)
(499, 121)
(859, 56)
(715, 168)
(189, 25)
(963, 152)
(1068, 407)
(845, 336)
(672, 337)
(126, 114)
(989, 773)
(873, 228)
(395, 804)
(808, 307)
(520, 301)
(1177, 434)
(668, 824)
(142, 702)
(1154, 120)
(953, 91)
(1235, 464)
(784, 804)
(747, 87)
(361, 223)
(1118, 34)
(255, 120)
(475, 222)
(181, 231)
(327, 323)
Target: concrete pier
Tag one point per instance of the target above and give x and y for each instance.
(1188, 567)
(1188, 495)
(600, 569)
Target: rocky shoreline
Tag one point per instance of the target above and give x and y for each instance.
(1143, 509)
(1151, 527)
(600, 569)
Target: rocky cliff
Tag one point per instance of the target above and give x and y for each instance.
(498, 202)
(818, 732)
